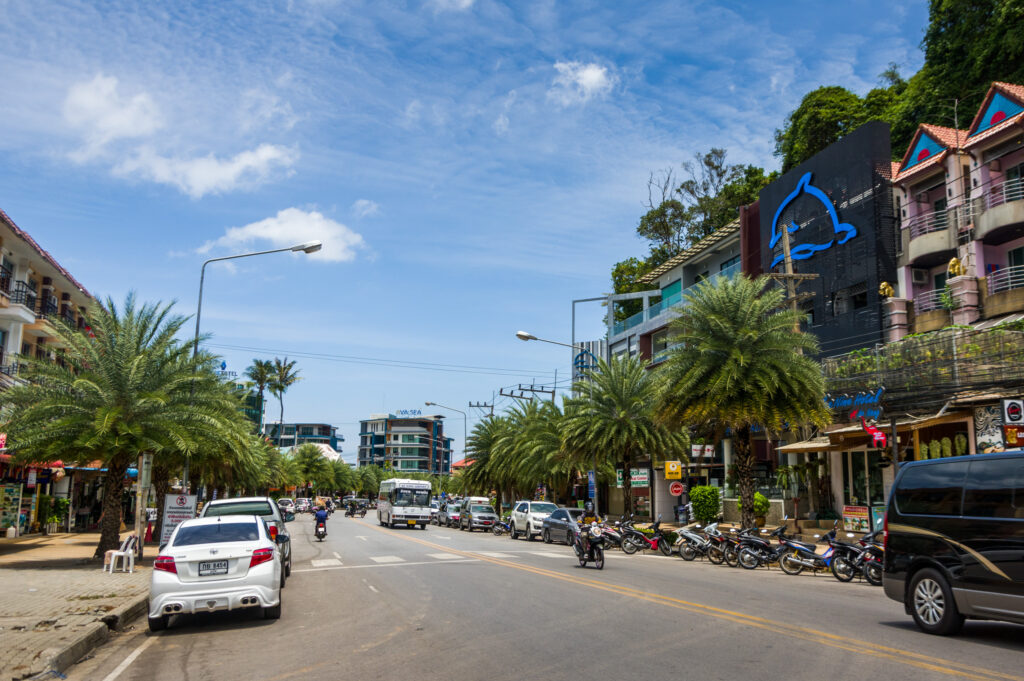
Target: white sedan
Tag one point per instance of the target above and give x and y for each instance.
(211, 564)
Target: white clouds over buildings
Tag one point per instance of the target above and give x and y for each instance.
(293, 226)
(578, 83)
(121, 130)
(363, 208)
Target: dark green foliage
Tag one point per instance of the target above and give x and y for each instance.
(705, 503)
(761, 505)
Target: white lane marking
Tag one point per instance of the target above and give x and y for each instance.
(547, 554)
(444, 556)
(495, 554)
(378, 567)
(359, 536)
(337, 555)
(325, 562)
(128, 660)
(387, 559)
(373, 588)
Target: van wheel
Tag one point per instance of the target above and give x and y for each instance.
(932, 604)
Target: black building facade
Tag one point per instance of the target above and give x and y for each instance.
(838, 209)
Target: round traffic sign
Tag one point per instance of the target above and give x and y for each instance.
(676, 488)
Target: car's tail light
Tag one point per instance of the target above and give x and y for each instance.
(261, 556)
(165, 564)
(273, 532)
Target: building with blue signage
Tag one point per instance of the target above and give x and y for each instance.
(295, 434)
(407, 441)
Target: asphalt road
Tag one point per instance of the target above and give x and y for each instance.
(377, 603)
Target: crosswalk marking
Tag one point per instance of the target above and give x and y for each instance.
(444, 556)
(548, 554)
(325, 562)
(387, 559)
(495, 554)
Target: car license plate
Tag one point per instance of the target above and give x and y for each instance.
(213, 567)
(410, 522)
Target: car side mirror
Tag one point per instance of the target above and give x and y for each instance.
(289, 516)
(281, 538)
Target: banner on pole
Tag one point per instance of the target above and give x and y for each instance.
(177, 508)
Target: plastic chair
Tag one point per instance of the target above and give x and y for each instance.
(127, 555)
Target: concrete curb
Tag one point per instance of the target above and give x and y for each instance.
(93, 636)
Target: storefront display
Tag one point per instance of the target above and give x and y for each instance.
(10, 506)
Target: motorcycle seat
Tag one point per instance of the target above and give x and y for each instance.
(803, 544)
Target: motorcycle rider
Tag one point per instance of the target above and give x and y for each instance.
(320, 517)
(589, 516)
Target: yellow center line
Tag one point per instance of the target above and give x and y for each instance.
(861, 647)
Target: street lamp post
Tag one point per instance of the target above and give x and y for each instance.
(435, 404)
(526, 336)
(308, 247)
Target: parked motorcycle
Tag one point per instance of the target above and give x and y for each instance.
(321, 531)
(634, 540)
(800, 555)
(691, 544)
(589, 545)
(500, 527)
(613, 533)
(864, 558)
(755, 550)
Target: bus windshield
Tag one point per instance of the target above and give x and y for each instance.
(412, 497)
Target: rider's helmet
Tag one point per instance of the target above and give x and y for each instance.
(588, 508)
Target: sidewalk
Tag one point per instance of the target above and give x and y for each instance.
(58, 604)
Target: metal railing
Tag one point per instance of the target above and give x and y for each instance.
(68, 316)
(47, 308)
(929, 300)
(1005, 279)
(1005, 191)
(5, 280)
(926, 223)
(666, 304)
(23, 295)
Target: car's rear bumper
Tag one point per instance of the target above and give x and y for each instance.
(234, 598)
(894, 587)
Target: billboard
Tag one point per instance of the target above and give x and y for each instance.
(837, 210)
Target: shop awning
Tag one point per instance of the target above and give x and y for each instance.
(816, 444)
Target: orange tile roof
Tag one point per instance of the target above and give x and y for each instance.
(1014, 91)
(18, 231)
(895, 170)
(948, 137)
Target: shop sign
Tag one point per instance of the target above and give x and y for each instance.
(177, 508)
(673, 470)
(1013, 435)
(856, 518)
(676, 489)
(10, 505)
(802, 251)
(639, 477)
(408, 413)
(867, 404)
(31, 481)
(3, 440)
(618, 478)
(590, 485)
(1013, 412)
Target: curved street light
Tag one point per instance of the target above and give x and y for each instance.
(464, 418)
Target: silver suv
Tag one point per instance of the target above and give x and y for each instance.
(477, 516)
(528, 518)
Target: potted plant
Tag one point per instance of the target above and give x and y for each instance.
(761, 508)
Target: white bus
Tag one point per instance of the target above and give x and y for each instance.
(403, 502)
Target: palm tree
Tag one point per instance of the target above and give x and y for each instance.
(739, 363)
(317, 471)
(611, 420)
(131, 387)
(283, 376)
(261, 373)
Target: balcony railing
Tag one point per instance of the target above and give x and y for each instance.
(1005, 191)
(47, 309)
(926, 223)
(665, 304)
(23, 295)
(5, 280)
(929, 300)
(1006, 279)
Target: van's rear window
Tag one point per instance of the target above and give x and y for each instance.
(995, 489)
(934, 489)
(216, 533)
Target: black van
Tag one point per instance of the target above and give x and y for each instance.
(954, 540)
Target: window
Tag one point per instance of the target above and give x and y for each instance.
(934, 489)
(558, 515)
(522, 508)
(859, 296)
(1016, 257)
(216, 533)
(672, 289)
(940, 280)
(260, 508)
(995, 489)
(729, 265)
(840, 303)
(807, 307)
(543, 507)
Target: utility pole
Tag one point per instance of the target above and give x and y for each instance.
(482, 405)
(792, 280)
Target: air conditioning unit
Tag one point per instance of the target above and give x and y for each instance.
(919, 277)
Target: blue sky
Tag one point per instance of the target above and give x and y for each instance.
(471, 166)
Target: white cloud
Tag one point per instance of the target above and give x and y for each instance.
(578, 83)
(208, 174)
(451, 5)
(364, 208)
(294, 226)
(103, 115)
(501, 124)
(260, 108)
(413, 110)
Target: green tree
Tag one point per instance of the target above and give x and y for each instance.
(824, 116)
(283, 376)
(740, 364)
(132, 387)
(261, 373)
(611, 420)
(317, 471)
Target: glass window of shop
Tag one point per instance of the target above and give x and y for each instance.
(862, 478)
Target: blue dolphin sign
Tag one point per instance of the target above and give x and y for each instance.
(844, 230)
